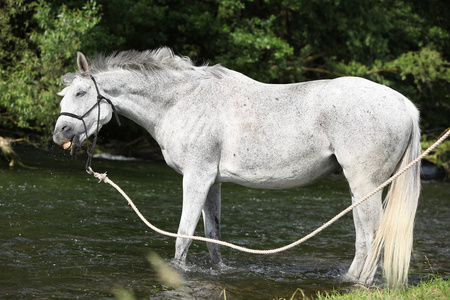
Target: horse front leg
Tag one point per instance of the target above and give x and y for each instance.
(211, 219)
(195, 190)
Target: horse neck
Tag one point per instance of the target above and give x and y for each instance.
(143, 99)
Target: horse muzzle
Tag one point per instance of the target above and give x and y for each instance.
(67, 139)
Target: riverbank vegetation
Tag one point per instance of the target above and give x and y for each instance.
(399, 43)
(434, 288)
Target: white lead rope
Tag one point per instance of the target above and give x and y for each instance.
(104, 178)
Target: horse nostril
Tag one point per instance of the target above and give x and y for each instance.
(65, 128)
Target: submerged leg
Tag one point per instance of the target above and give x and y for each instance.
(366, 218)
(195, 191)
(211, 219)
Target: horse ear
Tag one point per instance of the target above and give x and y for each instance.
(63, 92)
(82, 63)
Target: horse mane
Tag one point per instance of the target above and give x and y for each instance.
(159, 61)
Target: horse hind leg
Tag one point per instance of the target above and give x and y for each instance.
(211, 219)
(366, 218)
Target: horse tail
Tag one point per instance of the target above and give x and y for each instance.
(395, 233)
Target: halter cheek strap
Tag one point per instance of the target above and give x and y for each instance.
(100, 97)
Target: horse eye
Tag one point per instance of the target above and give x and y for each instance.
(80, 94)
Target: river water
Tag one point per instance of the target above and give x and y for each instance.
(64, 236)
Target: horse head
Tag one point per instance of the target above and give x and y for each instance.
(83, 112)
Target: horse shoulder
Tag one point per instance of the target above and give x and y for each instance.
(189, 133)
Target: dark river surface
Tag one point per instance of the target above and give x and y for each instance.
(65, 236)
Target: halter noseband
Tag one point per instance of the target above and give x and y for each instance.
(100, 97)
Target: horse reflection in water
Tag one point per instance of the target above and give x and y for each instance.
(216, 125)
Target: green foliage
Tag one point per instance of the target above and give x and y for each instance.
(426, 66)
(36, 53)
(399, 43)
(440, 156)
(256, 50)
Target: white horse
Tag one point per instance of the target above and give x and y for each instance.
(216, 125)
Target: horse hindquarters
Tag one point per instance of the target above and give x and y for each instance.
(395, 233)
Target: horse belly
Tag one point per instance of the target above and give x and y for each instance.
(271, 173)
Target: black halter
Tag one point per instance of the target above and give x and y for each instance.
(100, 97)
